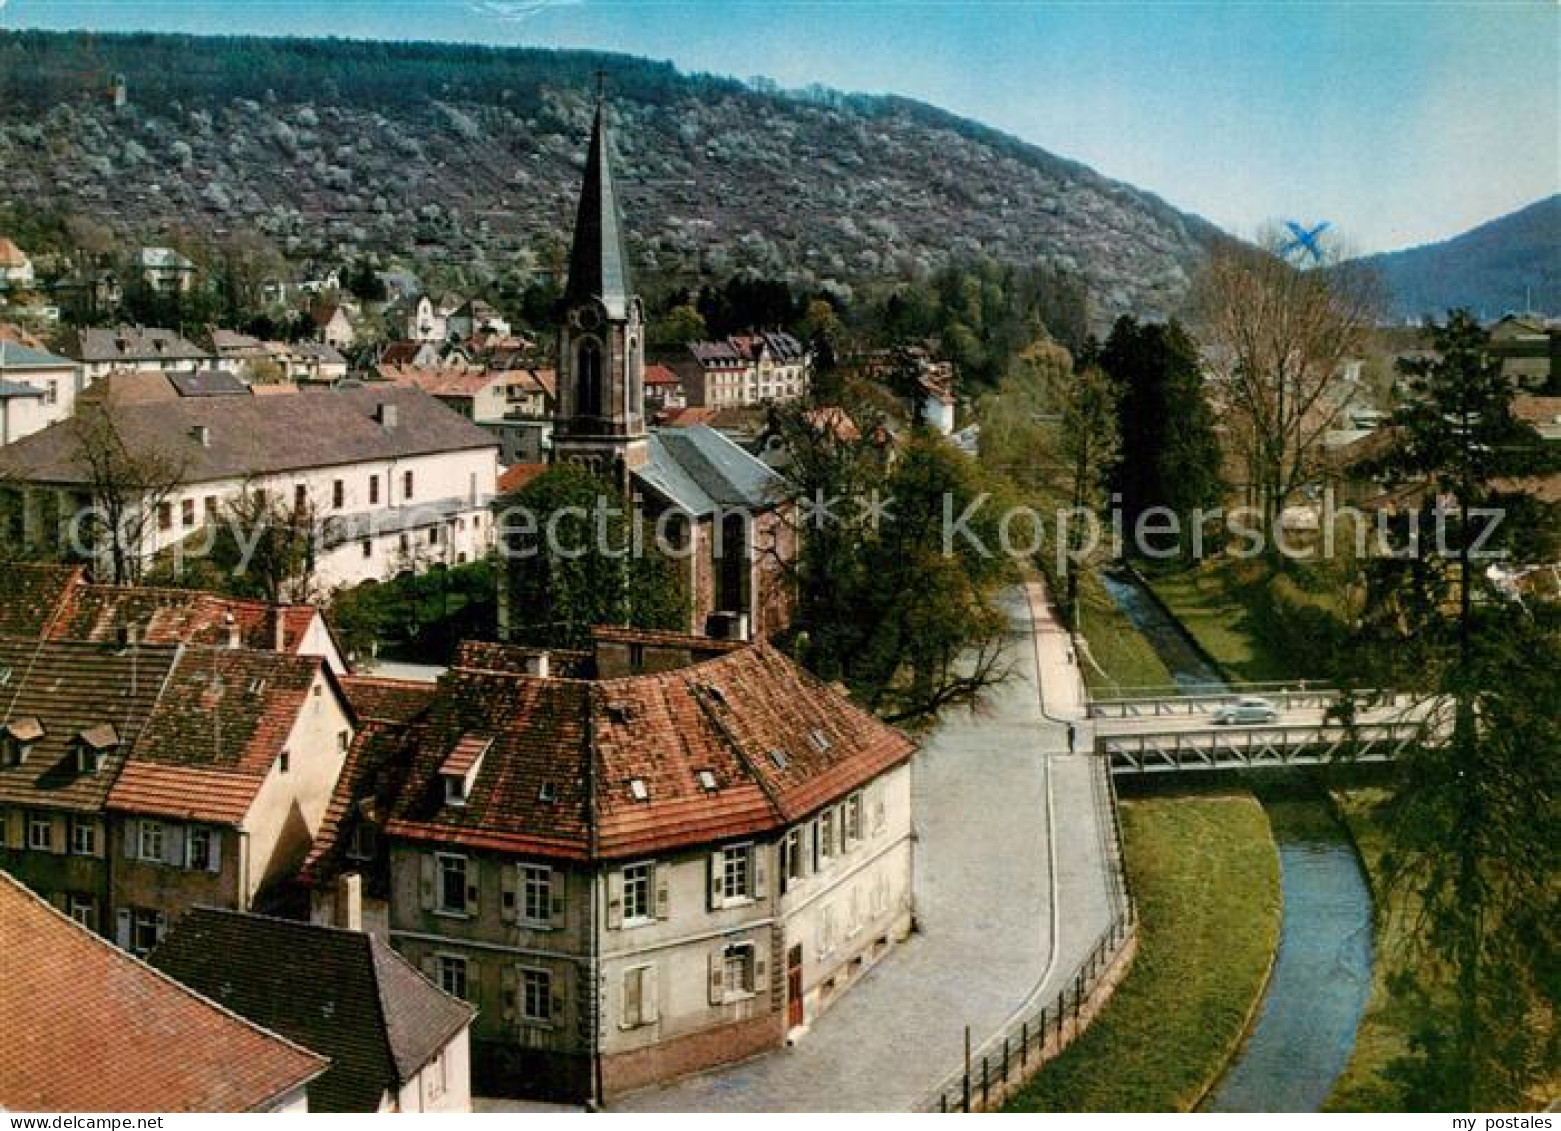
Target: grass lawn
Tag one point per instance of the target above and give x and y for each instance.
(1116, 645)
(1382, 1036)
(1206, 873)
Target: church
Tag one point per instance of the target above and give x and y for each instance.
(729, 512)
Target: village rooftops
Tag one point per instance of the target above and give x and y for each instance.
(729, 745)
(240, 437)
(93, 1029)
(343, 993)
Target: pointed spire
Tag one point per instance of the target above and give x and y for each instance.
(598, 264)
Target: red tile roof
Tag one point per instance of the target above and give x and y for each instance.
(517, 475)
(92, 1029)
(179, 616)
(31, 596)
(386, 700)
(780, 744)
(661, 375)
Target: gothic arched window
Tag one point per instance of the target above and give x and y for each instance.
(588, 379)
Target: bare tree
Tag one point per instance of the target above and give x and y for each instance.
(129, 479)
(268, 546)
(1276, 336)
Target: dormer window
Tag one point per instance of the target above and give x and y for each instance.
(18, 737)
(638, 789)
(93, 746)
(707, 781)
(459, 770)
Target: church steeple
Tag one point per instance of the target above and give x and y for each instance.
(601, 348)
(598, 264)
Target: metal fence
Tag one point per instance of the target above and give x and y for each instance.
(1041, 1033)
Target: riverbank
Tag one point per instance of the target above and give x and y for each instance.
(1205, 871)
(1122, 656)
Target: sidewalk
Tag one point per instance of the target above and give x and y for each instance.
(986, 786)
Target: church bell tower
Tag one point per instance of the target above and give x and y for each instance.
(601, 347)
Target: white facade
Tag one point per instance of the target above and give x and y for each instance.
(56, 381)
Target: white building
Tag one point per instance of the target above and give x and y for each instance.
(103, 349)
(397, 482)
(16, 269)
(37, 389)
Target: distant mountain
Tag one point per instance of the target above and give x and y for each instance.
(469, 156)
(1510, 264)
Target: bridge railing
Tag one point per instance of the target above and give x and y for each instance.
(1259, 747)
(1287, 697)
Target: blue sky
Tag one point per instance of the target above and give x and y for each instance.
(1398, 122)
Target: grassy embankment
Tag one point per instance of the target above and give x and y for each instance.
(1206, 874)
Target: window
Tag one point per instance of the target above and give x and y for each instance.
(639, 997)
(51, 392)
(368, 548)
(433, 536)
(437, 1076)
(40, 832)
(197, 849)
(406, 486)
(211, 508)
(83, 910)
(165, 516)
(284, 762)
(338, 494)
(343, 740)
(454, 789)
(536, 894)
(362, 841)
(452, 884)
(300, 496)
(826, 836)
(536, 996)
(737, 970)
(187, 512)
(373, 489)
(149, 844)
(83, 836)
(793, 857)
(452, 975)
(637, 893)
(147, 928)
(853, 820)
(737, 872)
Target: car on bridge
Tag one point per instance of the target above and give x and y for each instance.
(1248, 709)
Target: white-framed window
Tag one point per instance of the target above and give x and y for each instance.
(147, 929)
(453, 975)
(536, 996)
(437, 1074)
(640, 1006)
(827, 836)
(737, 872)
(638, 894)
(826, 937)
(197, 849)
(794, 866)
(853, 818)
(536, 894)
(83, 836)
(452, 883)
(40, 832)
(83, 909)
(149, 841)
(737, 970)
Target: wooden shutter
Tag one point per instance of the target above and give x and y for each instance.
(509, 993)
(650, 1001)
(614, 899)
(122, 928)
(509, 892)
(759, 968)
(59, 834)
(633, 997)
(557, 894)
(173, 845)
(559, 989)
(162, 927)
(132, 847)
(718, 975)
(661, 875)
(214, 864)
(473, 887)
(99, 838)
(427, 880)
(717, 859)
(759, 851)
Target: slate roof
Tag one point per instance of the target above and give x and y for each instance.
(12, 390)
(14, 355)
(251, 436)
(133, 343)
(344, 994)
(208, 383)
(219, 727)
(598, 261)
(70, 687)
(702, 471)
(587, 740)
(93, 1029)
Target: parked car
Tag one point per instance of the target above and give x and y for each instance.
(1247, 709)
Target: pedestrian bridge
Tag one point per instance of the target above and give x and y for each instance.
(1147, 734)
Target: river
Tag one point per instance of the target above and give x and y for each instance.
(1305, 1028)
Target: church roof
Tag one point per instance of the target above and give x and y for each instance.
(702, 471)
(598, 264)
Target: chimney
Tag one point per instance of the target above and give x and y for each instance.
(387, 416)
(349, 902)
(234, 639)
(278, 630)
(538, 664)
